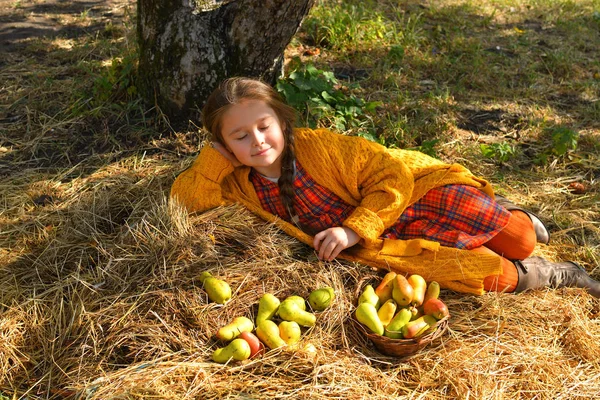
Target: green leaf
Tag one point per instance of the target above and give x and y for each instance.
(369, 136)
(428, 147)
(486, 151)
(564, 139)
(312, 70)
(372, 105)
(328, 98)
(311, 91)
(330, 77)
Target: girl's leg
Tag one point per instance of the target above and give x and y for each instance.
(538, 273)
(517, 240)
(505, 282)
(541, 232)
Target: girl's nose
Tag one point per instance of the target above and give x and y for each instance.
(258, 138)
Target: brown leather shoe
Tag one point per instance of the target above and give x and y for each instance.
(537, 273)
(541, 232)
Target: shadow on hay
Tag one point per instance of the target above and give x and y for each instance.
(115, 282)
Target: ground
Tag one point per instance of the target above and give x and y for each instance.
(40, 18)
(99, 290)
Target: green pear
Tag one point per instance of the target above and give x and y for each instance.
(290, 311)
(433, 291)
(267, 307)
(298, 300)
(366, 314)
(431, 321)
(238, 349)
(234, 328)
(320, 299)
(417, 312)
(368, 295)
(394, 328)
(290, 332)
(217, 289)
(268, 332)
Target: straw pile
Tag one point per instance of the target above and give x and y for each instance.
(106, 304)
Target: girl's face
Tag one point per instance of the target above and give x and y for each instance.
(253, 133)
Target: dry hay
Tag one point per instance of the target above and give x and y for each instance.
(100, 299)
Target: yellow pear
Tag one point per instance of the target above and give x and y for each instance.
(234, 328)
(238, 349)
(290, 332)
(366, 314)
(217, 289)
(298, 300)
(402, 292)
(433, 291)
(394, 328)
(387, 311)
(384, 289)
(256, 346)
(268, 332)
(368, 295)
(267, 307)
(419, 286)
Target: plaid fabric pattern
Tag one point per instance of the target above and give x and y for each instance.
(455, 215)
(316, 207)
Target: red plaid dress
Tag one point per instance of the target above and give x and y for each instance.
(455, 215)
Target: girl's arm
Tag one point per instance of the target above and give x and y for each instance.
(330, 242)
(382, 183)
(386, 186)
(198, 188)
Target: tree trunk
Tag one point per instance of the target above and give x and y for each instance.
(187, 47)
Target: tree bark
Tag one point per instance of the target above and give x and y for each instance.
(187, 47)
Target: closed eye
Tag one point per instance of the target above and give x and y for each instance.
(241, 137)
(264, 128)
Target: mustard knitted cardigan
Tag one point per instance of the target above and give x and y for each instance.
(378, 181)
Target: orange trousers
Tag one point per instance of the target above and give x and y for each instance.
(515, 242)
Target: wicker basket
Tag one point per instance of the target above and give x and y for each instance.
(398, 347)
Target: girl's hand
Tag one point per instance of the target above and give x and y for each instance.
(226, 153)
(330, 242)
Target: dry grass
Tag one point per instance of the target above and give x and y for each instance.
(105, 304)
(99, 295)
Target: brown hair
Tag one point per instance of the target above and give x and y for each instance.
(233, 91)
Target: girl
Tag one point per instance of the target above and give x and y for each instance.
(348, 197)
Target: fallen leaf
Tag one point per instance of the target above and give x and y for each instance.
(312, 52)
(578, 188)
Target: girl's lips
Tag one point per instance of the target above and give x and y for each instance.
(262, 152)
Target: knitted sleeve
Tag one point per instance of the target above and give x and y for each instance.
(383, 184)
(198, 188)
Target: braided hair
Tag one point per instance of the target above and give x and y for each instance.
(233, 91)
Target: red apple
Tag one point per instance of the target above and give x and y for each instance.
(256, 346)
